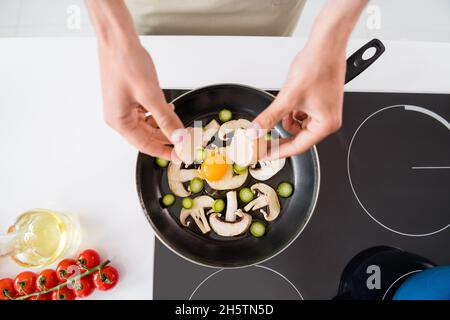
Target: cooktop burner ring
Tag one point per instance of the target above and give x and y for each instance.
(421, 110)
(280, 275)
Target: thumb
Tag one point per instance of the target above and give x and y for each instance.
(271, 115)
(168, 121)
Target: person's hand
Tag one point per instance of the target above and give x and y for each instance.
(130, 91)
(310, 102)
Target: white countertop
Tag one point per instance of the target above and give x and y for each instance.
(56, 152)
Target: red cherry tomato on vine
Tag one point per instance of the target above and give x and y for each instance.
(7, 290)
(45, 296)
(67, 268)
(46, 279)
(24, 283)
(88, 259)
(83, 287)
(64, 294)
(106, 278)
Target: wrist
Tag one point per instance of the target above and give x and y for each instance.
(117, 39)
(113, 23)
(334, 25)
(326, 49)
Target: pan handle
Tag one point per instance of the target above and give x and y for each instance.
(356, 64)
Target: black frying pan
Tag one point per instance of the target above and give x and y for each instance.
(302, 170)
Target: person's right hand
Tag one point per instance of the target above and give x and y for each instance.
(309, 104)
(131, 90)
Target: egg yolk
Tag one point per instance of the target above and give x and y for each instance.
(214, 167)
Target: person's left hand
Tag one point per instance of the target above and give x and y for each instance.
(130, 91)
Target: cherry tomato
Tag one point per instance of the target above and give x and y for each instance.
(7, 290)
(24, 283)
(83, 287)
(64, 294)
(47, 279)
(45, 296)
(67, 268)
(106, 278)
(88, 259)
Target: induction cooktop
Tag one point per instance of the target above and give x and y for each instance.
(385, 181)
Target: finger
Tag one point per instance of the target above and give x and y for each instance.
(146, 140)
(156, 149)
(290, 125)
(167, 120)
(151, 120)
(148, 119)
(299, 116)
(300, 143)
(271, 115)
(158, 135)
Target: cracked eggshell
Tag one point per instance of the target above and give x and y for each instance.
(231, 126)
(192, 141)
(243, 150)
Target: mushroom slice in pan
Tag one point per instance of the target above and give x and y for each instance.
(176, 176)
(197, 212)
(229, 181)
(230, 229)
(231, 126)
(267, 197)
(209, 131)
(232, 205)
(268, 169)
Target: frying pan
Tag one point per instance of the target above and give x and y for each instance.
(302, 171)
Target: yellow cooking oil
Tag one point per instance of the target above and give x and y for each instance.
(41, 236)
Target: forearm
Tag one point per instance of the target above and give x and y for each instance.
(112, 21)
(335, 23)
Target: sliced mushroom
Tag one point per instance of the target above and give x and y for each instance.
(209, 131)
(231, 126)
(267, 197)
(230, 229)
(258, 203)
(197, 212)
(188, 174)
(229, 181)
(232, 206)
(176, 176)
(268, 169)
(243, 150)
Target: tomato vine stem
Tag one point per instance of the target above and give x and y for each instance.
(69, 280)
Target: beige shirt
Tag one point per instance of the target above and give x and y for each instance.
(216, 17)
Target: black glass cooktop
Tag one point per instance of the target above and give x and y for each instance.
(385, 180)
